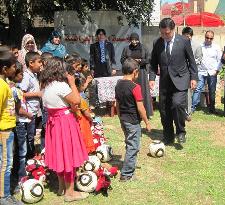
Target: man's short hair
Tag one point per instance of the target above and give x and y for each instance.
(100, 30)
(187, 30)
(129, 66)
(167, 23)
(31, 56)
(209, 31)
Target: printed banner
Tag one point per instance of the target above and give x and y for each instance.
(78, 37)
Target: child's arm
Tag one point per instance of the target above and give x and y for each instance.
(117, 109)
(74, 97)
(22, 112)
(142, 113)
(87, 114)
(32, 94)
(88, 80)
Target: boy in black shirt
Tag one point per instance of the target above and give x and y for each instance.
(130, 109)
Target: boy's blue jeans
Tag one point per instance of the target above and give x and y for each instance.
(6, 161)
(132, 140)
(24, 137)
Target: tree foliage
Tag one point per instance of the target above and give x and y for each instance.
(22, 12)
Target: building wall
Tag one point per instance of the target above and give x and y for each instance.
(149, 34)
(211, 5)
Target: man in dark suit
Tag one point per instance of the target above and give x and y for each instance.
(102, 56)
(178, 70)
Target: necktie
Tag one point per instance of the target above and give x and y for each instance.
(102, 48)
(168, 50)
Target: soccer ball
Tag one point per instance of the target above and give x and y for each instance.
(87, 181)
(92, 164)
(104, 152)
(157, 148)
(32, 191)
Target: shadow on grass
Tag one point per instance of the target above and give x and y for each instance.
(116, 161)
(218, 112)
(155, 134)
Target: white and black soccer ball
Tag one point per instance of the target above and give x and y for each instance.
(32, 191)
(92, 164)
(157, 148)
(104, 153)
(87, 181)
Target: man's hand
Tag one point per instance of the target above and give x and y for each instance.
(113, 71)
(193, 84)
(152, 84)
(148, 127)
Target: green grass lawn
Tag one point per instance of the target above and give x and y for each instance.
(193, 175)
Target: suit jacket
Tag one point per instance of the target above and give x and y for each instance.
(95, 56)
(181, 66)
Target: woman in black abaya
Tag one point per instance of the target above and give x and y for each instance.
(138, 52)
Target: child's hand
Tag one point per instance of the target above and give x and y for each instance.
(30, 116)
(71, 79)
(89, 79)
(148, 127)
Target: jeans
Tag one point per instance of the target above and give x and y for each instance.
(211, 81)
(44, 121)
(25, 149)
(132, 140)
(6, 161)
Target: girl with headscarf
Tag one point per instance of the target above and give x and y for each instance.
(54, 45)
(28, 45)
(139, 53)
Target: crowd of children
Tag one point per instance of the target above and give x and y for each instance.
(56, 89)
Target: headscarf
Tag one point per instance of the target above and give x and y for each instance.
(54, 34)
(23, 51)
(134, 36)
(56, 50)
(26, 38)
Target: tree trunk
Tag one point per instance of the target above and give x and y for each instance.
(16, 30)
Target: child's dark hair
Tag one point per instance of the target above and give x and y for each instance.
(70, 70)
(79, 82)
(46, 56)
(55, 71)
(84, 62)
(19, 68)
(129, 66)
(71, 59)
(13, 47)
(31, 56)
(7, 59)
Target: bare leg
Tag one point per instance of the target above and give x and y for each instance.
(62, 187)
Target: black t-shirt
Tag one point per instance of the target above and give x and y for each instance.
(127, 94)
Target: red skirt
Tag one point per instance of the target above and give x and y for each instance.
(64, 145)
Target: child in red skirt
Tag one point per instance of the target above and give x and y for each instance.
(64, 146)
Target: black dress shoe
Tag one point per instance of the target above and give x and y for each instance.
(168, 141)
(181, 138)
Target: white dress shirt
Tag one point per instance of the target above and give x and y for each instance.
(170, 43)
(211, 59)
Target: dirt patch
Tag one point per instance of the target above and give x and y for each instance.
(216, 129)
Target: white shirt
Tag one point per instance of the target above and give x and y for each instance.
(30, 83)
(170, 43)
(54, 93)
(211, 59)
